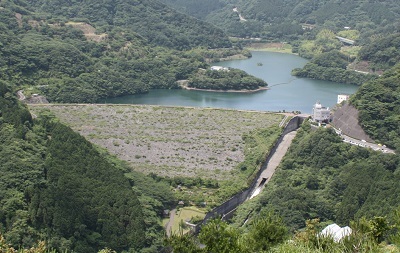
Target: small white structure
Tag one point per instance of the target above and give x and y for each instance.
(320, 113)
(337, 233)
(219, 68)
(342, 97)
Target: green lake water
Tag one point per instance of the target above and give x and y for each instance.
(286, 92)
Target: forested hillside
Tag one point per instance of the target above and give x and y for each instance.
(88, 51)
(379, 105)
(323, 177)
(311, 27)
(159, 24)
(332, 66)
(382, 52)
(282, 19)
(56, 187)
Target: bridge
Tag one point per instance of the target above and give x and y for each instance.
(345, 41)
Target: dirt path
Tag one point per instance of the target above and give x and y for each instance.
(168, 227)
(21, 95)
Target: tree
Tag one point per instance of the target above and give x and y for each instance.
(266, 231)
(217, 236)
(183, 243)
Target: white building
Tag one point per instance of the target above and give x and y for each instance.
(342, 97)
(335, 232)
(219, 68)
(320, 113)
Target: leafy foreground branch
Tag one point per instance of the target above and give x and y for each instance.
(269, 234)
(39, 248)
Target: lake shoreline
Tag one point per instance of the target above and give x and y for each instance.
(292, 94)
(226, 91)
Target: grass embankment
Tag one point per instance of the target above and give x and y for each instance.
(186, 214)
(213, 152)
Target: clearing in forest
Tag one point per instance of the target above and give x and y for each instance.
(168, 141)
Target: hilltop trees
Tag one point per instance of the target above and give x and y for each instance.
(271, 19)
(229, 79)
(383, 52)
(159, 24)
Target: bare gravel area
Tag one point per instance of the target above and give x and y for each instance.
(168, 141)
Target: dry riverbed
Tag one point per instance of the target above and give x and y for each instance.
(168, 141)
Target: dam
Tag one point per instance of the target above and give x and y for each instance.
(227, 209)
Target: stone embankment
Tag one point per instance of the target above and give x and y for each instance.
(345, 118)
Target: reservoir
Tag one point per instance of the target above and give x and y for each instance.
(286, 92)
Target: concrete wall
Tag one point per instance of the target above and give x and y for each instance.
(293, 124)
(226, 210)
(346, 118)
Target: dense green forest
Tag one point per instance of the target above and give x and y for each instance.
(44, 48)
(228, 79)
(331, 62)
(271, 19)
(159, 24)
(56, 187)
(267, 233)
(378, 102)
(50, 50)
(322, 177)
(332, 66)
(382, 52)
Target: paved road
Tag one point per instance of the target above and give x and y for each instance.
(274, 162)
(364, 144)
